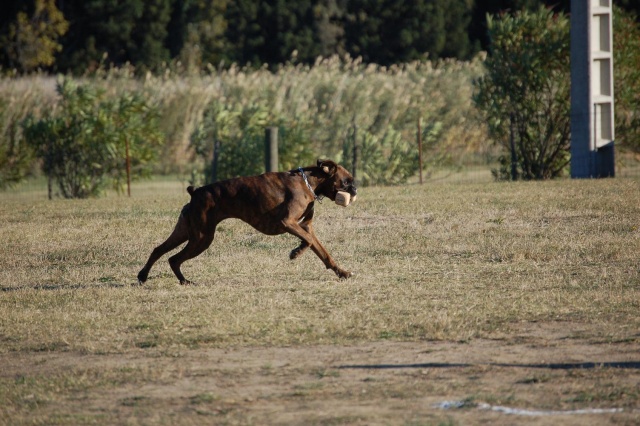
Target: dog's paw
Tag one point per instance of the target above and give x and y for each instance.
(142, 277)
(343, 275)
(295, 253)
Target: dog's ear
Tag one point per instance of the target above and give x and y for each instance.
(328, 166)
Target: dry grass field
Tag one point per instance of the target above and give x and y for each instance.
(494, 297)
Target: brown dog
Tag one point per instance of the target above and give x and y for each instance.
(273, 203)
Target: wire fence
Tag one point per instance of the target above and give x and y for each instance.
(37, 188)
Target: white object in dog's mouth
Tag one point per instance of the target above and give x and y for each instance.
(344, 198)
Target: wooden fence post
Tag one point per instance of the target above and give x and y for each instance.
(514, 157)
(49, 166)
(126, 145)
(214, 161)
(356, 153)
(271, 149)
(420, 147)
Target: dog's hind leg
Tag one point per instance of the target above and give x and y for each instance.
(196, 245)
(297, 252)
(179, 235)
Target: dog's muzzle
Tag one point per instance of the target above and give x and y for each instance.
(351, 189)
(346, 195)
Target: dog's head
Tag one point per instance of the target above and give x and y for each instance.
(335, 178)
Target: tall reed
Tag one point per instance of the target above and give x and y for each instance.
(332, 97)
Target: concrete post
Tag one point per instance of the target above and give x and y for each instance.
(592, 123)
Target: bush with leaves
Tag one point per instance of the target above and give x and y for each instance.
(321, 103)
(315, 108)
(525, 92)
(238, 133)
(235, 132)
(389, 159)
(626, 60)
(83, 145)
(16, 157)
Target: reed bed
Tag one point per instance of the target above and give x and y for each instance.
(330, 97)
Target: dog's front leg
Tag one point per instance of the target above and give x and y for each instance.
(323, 254)
(310, 240)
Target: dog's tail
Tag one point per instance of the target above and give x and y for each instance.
(191, 190)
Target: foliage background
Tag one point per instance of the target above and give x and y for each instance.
(328, 82)
(92, 141)
(525, 93)
(82, 34)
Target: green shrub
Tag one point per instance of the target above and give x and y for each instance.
(626, 57)
(16, 158)
(388, 159)
(238, 132)
(83, 145)
(525, 92)
(314, 107)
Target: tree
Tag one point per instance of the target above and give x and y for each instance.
(632, 6)
(196, 32)
(115, 32)
(32, 39)
(525, 92)
(328, 16)
(478, 27)
(457, 23)
(270, 31)
(148, 50)
(388, 31)
(100, 30)
(236, 133)
(626, 57)
(89, 141)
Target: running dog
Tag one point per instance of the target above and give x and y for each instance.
(274, 203)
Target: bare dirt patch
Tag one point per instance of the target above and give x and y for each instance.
(543, 370)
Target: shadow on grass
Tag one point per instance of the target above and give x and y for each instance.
(632, 365)
(55, 287)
